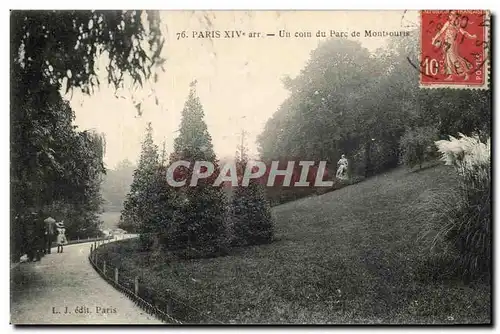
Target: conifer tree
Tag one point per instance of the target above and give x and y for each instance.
(166, 207)
(143, 203)
(200, 225)
(251, 219)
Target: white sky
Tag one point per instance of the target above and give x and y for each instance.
(239, 80)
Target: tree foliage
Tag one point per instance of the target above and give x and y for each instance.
(56, 46)
(417, 145)
(151, 203)
(347, 100)
(135, 211)
(251, 222)
(200, 226)
(52, 164)
(55, 169)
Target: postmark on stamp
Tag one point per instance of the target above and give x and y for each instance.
(454, 49)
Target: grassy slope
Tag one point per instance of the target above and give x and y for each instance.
(348, 256)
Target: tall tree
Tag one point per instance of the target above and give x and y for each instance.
(317, 121)
(54, 167)
(139, 201)
(151, 204)
(50, 50)
(81, 209)
(250, 212)
(200, 226)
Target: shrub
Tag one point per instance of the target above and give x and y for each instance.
(250, 216)
(417, 145)
(462, 218)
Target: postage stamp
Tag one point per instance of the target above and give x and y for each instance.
(455, 49)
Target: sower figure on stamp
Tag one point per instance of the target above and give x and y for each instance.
(447, 39)
(61, 236)
(342, 168)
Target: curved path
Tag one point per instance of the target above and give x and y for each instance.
(41, 292)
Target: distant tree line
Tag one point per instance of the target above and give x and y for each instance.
(116, 184)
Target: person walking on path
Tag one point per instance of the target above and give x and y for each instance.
(34, 232)
(40, 237)
(61, 236)
(49, 233)
(29, 230)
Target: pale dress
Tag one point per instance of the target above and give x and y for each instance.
(61, 237)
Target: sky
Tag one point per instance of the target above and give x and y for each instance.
(238, 80)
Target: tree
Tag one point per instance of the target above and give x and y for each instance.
(319, 119)
(200, 226)
(50, 50)
(251, 219)
(348, 100)
(417, 145)
(52, 46)
(331, 109)
(151, 203)
(139, 201)
(55, 169)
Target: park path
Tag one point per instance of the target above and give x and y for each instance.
(41, 291)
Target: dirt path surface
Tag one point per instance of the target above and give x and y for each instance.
(65, 289)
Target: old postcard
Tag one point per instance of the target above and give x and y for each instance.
(250, 167)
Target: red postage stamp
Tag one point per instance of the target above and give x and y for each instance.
(454, 48)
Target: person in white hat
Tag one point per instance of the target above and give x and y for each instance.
(61, 236)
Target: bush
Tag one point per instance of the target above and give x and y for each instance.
(417, 145)
(251, 222)
(198, 229)
(462, 218)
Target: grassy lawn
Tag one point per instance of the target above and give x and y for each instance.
(348, 256)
